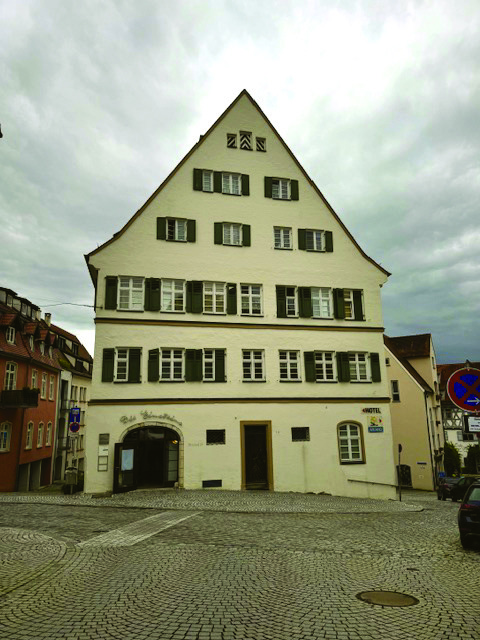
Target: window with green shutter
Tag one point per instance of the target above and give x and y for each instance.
(343, 367)
(108, 363)
(153, 365)
(231, 298)
(375, 367)
(152, 294)
(194, 296)
(281, 301)
(193, 365)
(338, 304)
(309, 359)
(134, 360)
(305, 302)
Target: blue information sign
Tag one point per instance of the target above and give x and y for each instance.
(74, 419)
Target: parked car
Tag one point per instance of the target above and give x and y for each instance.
(455, 488)
(469, 516)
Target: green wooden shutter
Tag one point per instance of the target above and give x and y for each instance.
(191, 231)
(197, 180)
(231, 298)
(161, 228)
(108, 364)
(190, 365)
(358, 305)
(153, 365)
(111, 283)
(343, 367)
(246, 235)
(218, 232)
(305, 302)
(338, 304)
(217, 181)
(245, 185)
(328, 241)
(281, 301)
(268, 187)
(134, 365)
(309, 358)
(152, 294)
(375, 367)
(294, 189)
(193, 365)
(220, 365)
(194, 296)
(302, 239)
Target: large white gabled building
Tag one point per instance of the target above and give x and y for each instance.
(239, 337)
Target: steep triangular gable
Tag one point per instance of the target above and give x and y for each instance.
(196, 147)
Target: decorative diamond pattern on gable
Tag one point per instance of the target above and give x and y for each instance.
(261, 144)
(232, 140)
(246, 140)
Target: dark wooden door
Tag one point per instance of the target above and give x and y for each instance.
(256, 458)
(124, 467)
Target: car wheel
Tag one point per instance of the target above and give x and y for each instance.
(439, 497)
(454, 498)
(464, 541)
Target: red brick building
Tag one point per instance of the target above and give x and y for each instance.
(29, 382)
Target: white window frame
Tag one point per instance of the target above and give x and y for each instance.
(40, 431)
(214, 297)
(207, 180)
(29, 435)
(232, 234)
(48, 435)
(131, 293)
(34, 379)
(282, 238)
(253, 365)
(43, 388)
(173, 296)
(10, 335)
(325, 366)
(289, 362)
(31, 343)
(281, 189)
(232, 184)
(350, 443)
(314, 240)
(348, 304)
(395, 391)
(42, 347)
(251, 303)
(359, 365)
(208, 364)
(176, 229)
(51, 389)
(322, 297)
(11, 370)
(291, 302)
(5, 436)
(174, 360)
(120, 369)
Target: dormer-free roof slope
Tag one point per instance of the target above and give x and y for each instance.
(201, 141)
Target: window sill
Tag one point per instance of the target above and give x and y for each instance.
(253, 380)
(4, 451)
(214, 313)
(213, 381)
(326, 381)
(282, 199)
(174, 311)
(224, 244)
(175, 381)
(127, 382)
(175, 240)
(353, 462)
(252, 315)
(283, 248)
(295, 381)
(224, 193)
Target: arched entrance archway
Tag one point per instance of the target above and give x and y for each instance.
(148, 457)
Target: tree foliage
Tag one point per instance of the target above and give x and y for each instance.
(472, 460)
(451, 459)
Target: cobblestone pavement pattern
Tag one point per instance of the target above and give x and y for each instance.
(227, 566)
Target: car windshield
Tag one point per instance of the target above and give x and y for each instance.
(474, 495)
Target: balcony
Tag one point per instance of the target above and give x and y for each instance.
(19, 398)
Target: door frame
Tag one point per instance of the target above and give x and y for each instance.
(268, 436)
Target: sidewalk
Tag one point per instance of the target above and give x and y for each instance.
(231, 501)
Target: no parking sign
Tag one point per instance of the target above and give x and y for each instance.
(463, 388)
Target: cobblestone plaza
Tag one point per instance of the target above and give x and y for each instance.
(200, 565)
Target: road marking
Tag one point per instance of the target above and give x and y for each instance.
(137, 531)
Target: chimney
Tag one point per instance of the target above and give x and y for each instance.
(48, 318)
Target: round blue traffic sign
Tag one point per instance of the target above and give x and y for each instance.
(74, 427)
(463, 388)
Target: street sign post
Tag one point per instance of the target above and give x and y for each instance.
(74, 419)
(463, 388)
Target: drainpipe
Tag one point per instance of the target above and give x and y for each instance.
(425, 393)
(17, 475)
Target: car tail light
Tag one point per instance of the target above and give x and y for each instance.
(466, 506)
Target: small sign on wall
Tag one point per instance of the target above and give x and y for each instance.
(375, 424)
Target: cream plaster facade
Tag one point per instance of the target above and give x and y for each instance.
(189, 408)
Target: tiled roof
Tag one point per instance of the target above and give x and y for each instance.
(445, 371)
(7, 318)
(390, 344)
(413, 346)
(65, 334)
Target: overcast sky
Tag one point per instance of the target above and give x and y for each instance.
(379, 101)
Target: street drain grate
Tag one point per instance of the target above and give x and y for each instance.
(387, 598)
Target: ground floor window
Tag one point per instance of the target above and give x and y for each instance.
(5, 434)
(350, 443)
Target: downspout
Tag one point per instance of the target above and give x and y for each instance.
(425, 393)
(17, 474)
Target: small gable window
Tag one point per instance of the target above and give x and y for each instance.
(231, 140)
(246, 140)
(261, 144)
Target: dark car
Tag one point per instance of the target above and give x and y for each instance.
(455, 488)
(469, 516)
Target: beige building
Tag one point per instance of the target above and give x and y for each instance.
(415, 409)
(238, 332)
